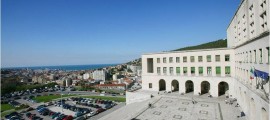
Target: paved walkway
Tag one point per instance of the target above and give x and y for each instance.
(179, 107)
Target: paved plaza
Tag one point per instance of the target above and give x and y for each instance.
(181, 109)
(173, 106)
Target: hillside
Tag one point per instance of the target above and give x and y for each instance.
(215, 44)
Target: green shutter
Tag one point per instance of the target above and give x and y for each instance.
(192, 69)
(227, 70)
(218, 70)
(185, 69)
(200, 70)
(177, 69)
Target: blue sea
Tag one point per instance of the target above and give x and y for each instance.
(66, 67)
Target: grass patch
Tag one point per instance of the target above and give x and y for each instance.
(5, 107)
(6, 113)
(49, 98)
(117, 99)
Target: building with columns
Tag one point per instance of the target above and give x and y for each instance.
(239, 71)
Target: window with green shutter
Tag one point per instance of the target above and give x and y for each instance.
(200, 70)
(208, 57)
(218, 70)
(185, 70)
(227, 70)
(192, 70)
(178, 70)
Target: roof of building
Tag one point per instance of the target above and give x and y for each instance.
(197, 50)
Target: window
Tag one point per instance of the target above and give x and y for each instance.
(209, 70)
(185, 70)
(227, 70)
(192, 59)
(150, 66)
(255, 57)
(218, 70)
(200, 70)
(192, 70)
(177, 59)
(200, 58)
(171, 59)
(150, 85)
(208, 57)
(250, 57)
(185, 59)
(158, 60)
(178, 70)
(260, 56)
(268, 58)
(158, 70)
(171, 70)
(164, 70)
(227, 58)
(217, 58)
(164, 60)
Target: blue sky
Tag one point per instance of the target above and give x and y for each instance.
(75, 32)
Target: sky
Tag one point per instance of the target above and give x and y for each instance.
(81, 32)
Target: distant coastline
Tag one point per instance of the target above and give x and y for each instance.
(64, 67)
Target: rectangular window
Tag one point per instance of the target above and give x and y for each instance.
(217, 58)
(209, 70)
(268, 53)
(200, 58)
(200, 70)
(227, 58)
(192, 59)
(164, 60)
(158, 70)
(150, 85)
(150, 65)
(250, 57)
(247, 57)
(192, 70)
(208, 57)
(171, 59)
(171, 70)
(218, 70)
(164, 70)
(260, 56)
(185, 59)
(227, 70)
(255, 59)
(158, 60)
(178, 70)
(185, 70)
(177, 59)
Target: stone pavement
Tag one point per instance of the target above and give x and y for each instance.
(173, 106)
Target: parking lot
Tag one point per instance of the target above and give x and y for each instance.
(77, 107)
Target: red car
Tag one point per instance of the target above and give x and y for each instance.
(69, 117)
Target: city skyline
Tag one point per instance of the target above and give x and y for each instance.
(41, 33)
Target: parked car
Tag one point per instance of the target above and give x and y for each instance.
(29, 109)
(69, 117)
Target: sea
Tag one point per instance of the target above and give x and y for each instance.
(65, 67)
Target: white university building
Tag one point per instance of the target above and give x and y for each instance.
(239, 71)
